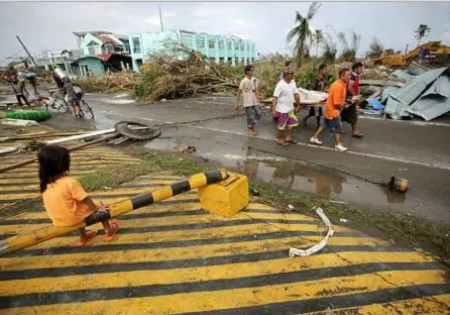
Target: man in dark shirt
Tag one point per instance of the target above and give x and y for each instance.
(350, 114)
(318, 84)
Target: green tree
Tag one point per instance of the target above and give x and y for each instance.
(421, 32)
(301, 31)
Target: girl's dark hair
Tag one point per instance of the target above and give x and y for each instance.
(54, 162)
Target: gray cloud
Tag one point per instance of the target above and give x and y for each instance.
(49, 25)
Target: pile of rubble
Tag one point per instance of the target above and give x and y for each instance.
(426, 95)
(415, 91)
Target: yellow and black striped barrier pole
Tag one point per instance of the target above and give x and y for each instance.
(25, 240)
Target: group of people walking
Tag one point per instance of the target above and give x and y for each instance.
(342, 104)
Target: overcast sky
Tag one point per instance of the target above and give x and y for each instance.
(49, 25)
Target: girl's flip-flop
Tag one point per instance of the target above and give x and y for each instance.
(293, 141)
(114, 228)
(89, 236)
(282, 143)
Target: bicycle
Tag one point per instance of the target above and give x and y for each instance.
(85, 111)
(56, 102)
(62, 104)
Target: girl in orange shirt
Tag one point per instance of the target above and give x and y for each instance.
(65, 200)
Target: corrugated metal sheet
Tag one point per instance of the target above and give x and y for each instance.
(440, 87)
(386, 92)
(395, 109)
(416, 69)
(434, 102)
(402, 75)
(414, 88)
(430, 107)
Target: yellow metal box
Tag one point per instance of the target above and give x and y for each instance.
(227, 197)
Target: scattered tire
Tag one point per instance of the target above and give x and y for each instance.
(136, 131)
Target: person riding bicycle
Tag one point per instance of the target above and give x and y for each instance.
(56, 77)
(67, 89)
(72, 95)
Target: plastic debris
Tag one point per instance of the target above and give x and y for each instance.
(184, 148)
(18, 122)
(339, 202)
(314, 249)
(343, 220)
(291, 207)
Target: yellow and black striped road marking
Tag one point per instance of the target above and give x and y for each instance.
(22, 183)
(175, 258)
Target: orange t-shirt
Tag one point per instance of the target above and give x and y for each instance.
(336, 99)
(63, 202)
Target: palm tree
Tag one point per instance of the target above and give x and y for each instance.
(329, 49)
(301, 31)
(376, 49)
(348, 48)
(318, 38)
(421, 32)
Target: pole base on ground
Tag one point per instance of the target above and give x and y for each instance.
(225, 198)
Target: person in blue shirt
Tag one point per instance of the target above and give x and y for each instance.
(31, 77)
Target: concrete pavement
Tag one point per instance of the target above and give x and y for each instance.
(415, 150)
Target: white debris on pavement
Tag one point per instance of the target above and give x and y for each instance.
(314, 249)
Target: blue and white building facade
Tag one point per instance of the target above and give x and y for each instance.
(221, 49)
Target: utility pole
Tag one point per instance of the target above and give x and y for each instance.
(161, 19)
(26, 50)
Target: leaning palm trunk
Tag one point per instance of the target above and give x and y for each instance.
(300, 54)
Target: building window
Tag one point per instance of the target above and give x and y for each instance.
(221, 60)
(236, 46)
(228, 45)
(94, 49)
(212, 43)
(212, 59)
(109, 48)
(242, 47)
(136, 45)
(253, 59)
(236, 60)
(221, 45)
(230, 60)
(200, 43)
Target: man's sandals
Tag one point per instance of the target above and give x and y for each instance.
(358, 135)
(286, 142)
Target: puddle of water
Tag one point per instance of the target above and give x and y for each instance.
(287, 173)
(320, 182)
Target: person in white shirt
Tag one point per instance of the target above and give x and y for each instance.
(286, 93)
(249, 91)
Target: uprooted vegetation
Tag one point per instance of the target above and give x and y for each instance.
(180, 72)
(169, 77)
(110, 82)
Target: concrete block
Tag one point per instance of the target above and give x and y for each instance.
(225, 198)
